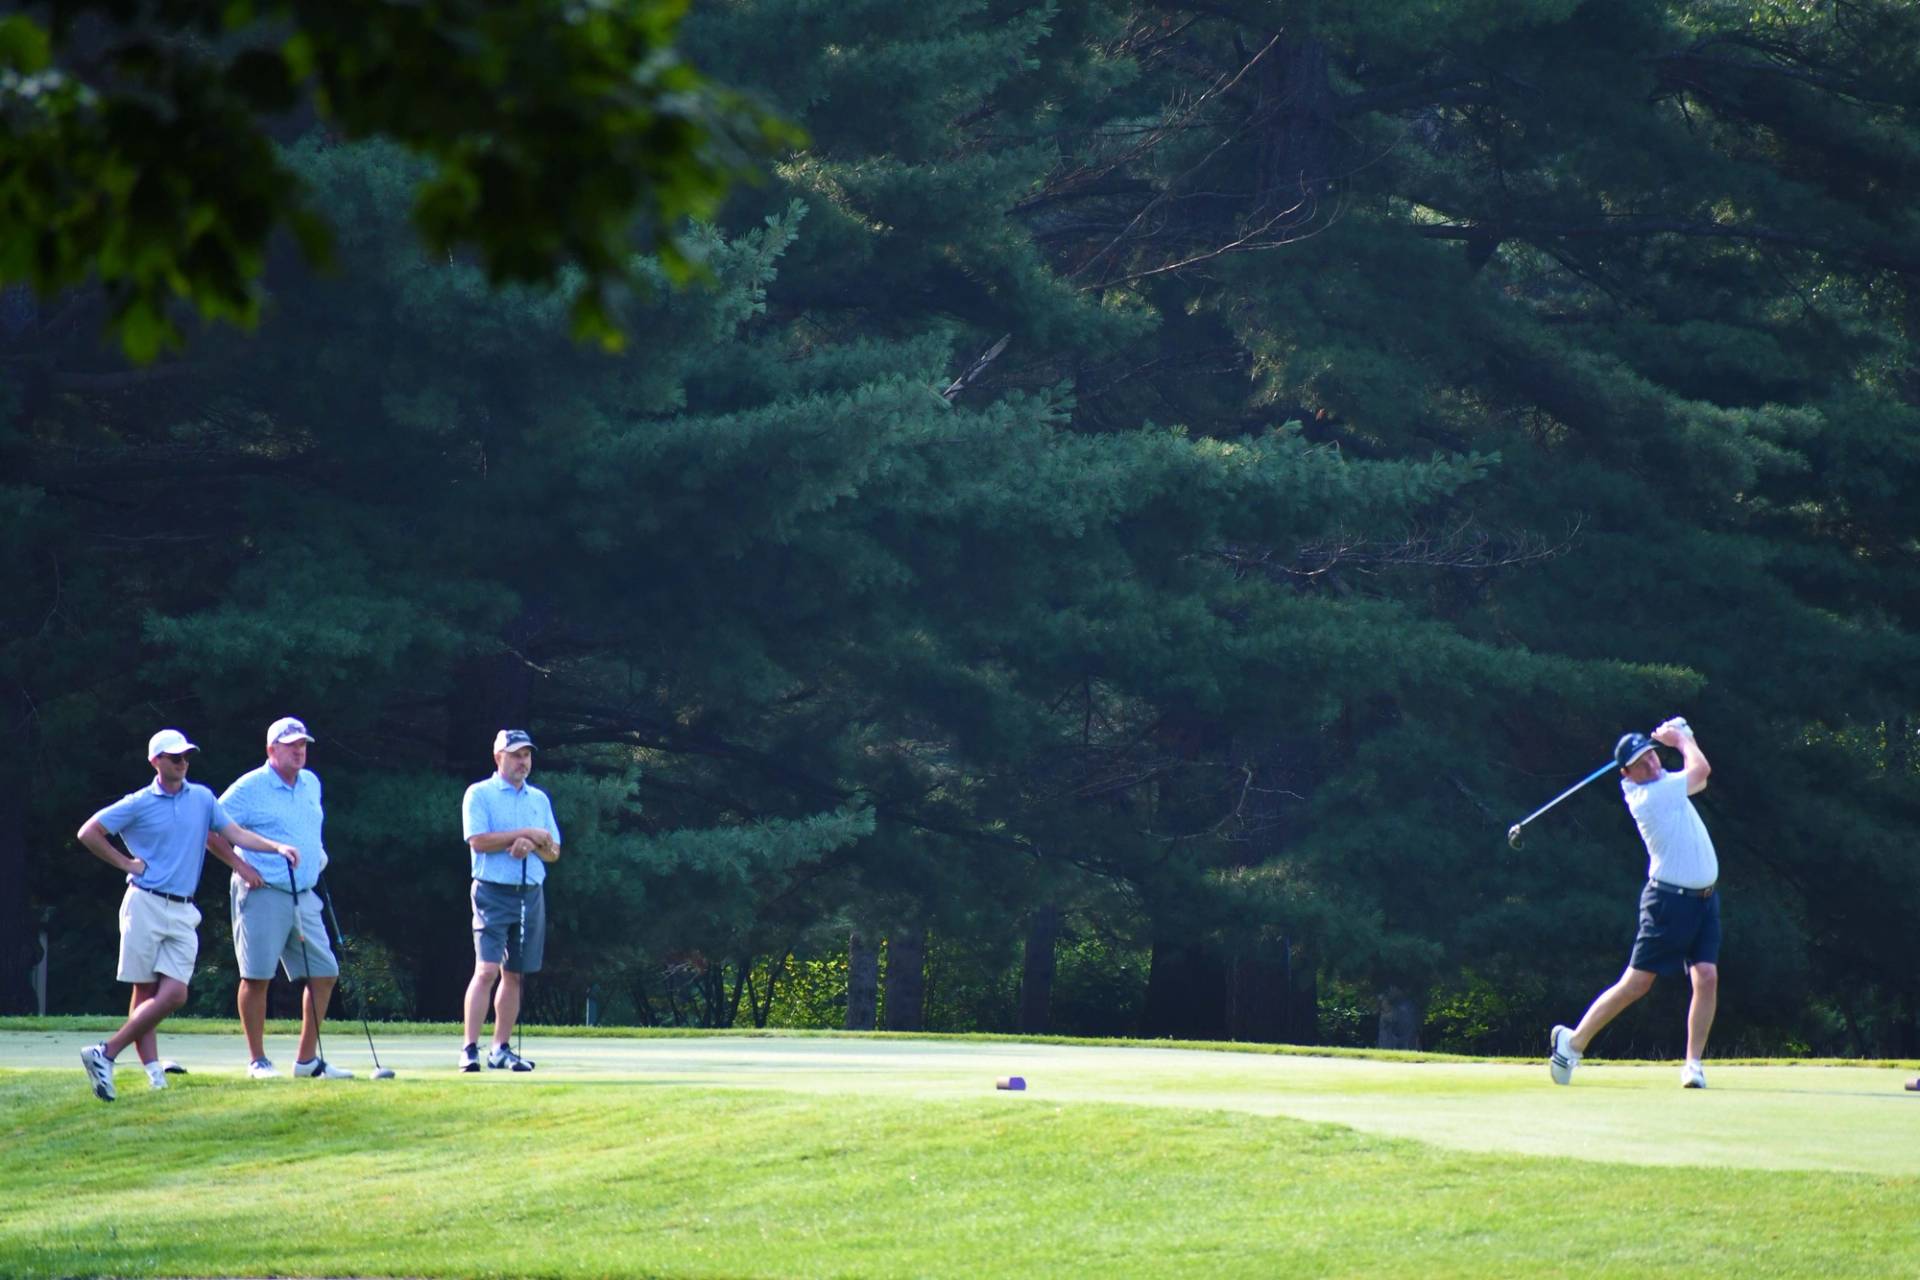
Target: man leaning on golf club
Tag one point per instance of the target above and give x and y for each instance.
(1679, 909)
(511, 836)
(276, 913)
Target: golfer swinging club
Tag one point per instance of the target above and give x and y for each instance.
(1679, 911)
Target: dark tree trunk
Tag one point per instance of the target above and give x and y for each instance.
(1294, 169)
(1303, 1006)
(1400, 1019)
(1036, 974)
(906, 1001)
(863, 982)
(1258, 995)
(19, 938)
(1186, 993)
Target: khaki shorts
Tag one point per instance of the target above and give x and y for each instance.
(157, 935)
(264, 934)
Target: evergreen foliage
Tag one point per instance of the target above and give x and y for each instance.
(1137, 481)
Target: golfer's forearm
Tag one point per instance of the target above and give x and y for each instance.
(94, 838)
(224, 851)
(248, 840)
(501, 841)
(1694, 763)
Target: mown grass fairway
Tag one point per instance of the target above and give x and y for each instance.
(744, 1156)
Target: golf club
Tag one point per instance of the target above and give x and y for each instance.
(520, 1023)
(379, 1072)
(306, 970)
(1513, 832)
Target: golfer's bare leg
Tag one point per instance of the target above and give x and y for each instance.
(506, 1007)
(1706, 1000)
(485, 974)
(148, 1045)
(168, 995)
(1609, 1004)
(252, 1004)
(313, 1008)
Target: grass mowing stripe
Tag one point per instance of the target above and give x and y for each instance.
(592, 1179)
(178, 1025)
(1842, 1120)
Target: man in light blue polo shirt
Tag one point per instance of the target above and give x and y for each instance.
(279, 922)
(506, 822)
(164, 827)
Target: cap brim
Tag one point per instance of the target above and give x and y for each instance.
(284, 739)
(1638, 754)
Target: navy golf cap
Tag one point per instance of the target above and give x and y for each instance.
(1630, 748)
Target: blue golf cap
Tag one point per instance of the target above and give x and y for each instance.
(512, 740)
(1631, 747)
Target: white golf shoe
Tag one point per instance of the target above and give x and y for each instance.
(156, 1075)
(319, 1069)
(261, 1069)
(1693, 1076)
(1562, 1059)
(99, 1068)
(503, 1058)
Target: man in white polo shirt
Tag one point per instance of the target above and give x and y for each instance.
(278, 921)
(1679, 910)
(164, 827)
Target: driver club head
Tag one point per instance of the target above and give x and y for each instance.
(384, 1073)
(1513, 836)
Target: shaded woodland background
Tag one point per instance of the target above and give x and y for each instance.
(1131, 502)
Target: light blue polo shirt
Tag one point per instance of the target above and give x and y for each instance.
(493, 805)
(262, 802)
(166, 831)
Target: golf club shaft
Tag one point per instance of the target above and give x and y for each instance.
(306, 970)
(1513, 832)
(520, 1023)
(1564, 794)
(340, 937)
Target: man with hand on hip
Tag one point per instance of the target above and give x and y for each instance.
(276, 913)
(164, 827)
(1679, 910)
(511, 837)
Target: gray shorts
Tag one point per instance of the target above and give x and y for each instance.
(264, 934)
(496, 926)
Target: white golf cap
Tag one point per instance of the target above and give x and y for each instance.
(512, 740)
(288, 729)
(168, 742)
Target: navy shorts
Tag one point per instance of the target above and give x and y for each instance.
(496, 925)
(1677, 931)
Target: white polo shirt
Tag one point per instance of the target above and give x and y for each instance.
(1679, 851)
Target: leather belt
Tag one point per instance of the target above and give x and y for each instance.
(1681, 889)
